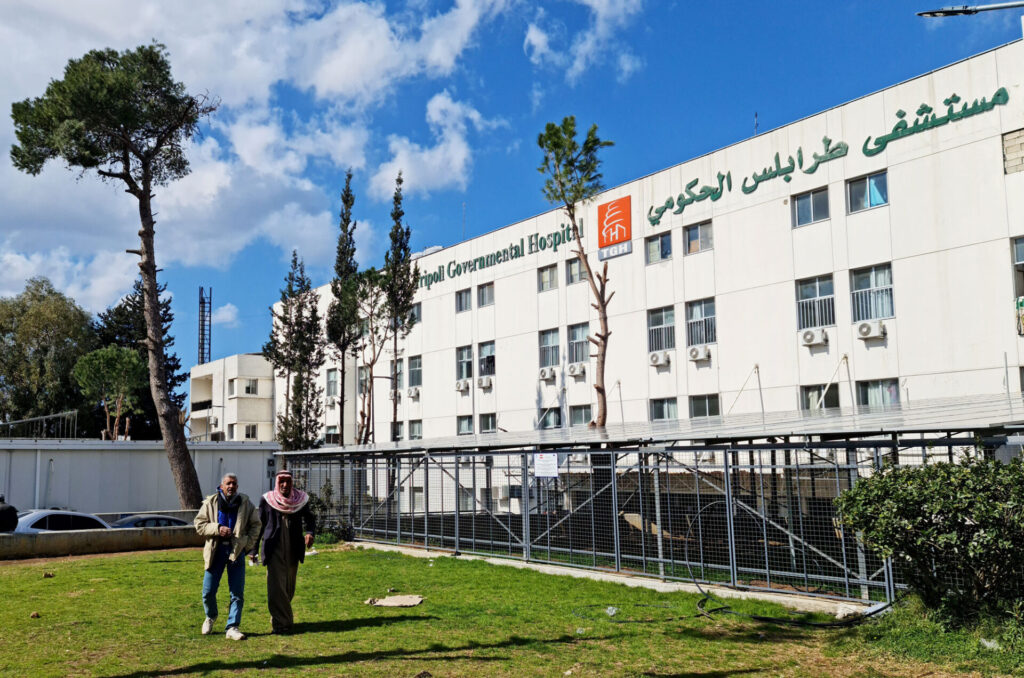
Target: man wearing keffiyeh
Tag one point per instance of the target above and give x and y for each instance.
(288, 528)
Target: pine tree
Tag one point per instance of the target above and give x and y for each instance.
(297, 350)
(342, 320)
(125, 325)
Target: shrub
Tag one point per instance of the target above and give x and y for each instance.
(955, 530)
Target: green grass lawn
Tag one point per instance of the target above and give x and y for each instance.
(139, 615)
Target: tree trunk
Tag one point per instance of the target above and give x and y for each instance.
(394, 385)
(190, 495)
(601, 299)
(341, 403)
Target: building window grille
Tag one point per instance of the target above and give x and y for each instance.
(547, 278)
(664, 409)
(488, 423)
(872, 293)
(810, 397)
(659, 248)
(486, 353)
(574, 271)
(579, 346)
(810, 207)
(661, 329)
(485, 295)
(867, 192)
(415, 370)
(878, 393)
(700, 322)
(416, 429)
(815, 302)
(464, 362)
(579, 415)
(549, 418)
(464, 425)
(704, 405)
(549, 348)
(463, 300)
(332, 383)
(699, 238)
(396, 374)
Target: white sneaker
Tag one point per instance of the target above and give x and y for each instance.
(234, 634)
(207, 627)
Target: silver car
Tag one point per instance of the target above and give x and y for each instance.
(49, 520)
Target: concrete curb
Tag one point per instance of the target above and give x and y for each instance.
(80, 542)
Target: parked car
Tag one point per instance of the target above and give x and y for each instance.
(149, 520)
(47, 520)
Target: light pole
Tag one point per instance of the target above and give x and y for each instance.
(969, 9)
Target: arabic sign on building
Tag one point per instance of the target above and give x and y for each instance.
(614, 228)
(926, 119)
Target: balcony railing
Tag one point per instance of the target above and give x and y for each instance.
(817, 312)
(661, 338)
(871, 304)
(701, 331)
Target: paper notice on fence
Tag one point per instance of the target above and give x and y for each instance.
(545, 465)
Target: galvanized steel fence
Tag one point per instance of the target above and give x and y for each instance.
(754, 517)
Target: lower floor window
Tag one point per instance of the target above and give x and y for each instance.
(331, 436)
(465, 425)
(396, 431)
(550, 418)
(704, 405)
(250, 431)
(579, 415)
(663, 409)
(810, 397)
(488, 423)
(879, 392)
(416, 429)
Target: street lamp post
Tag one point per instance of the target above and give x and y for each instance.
(970, 9)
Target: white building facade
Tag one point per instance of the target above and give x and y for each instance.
(232, 399)
(867, 255)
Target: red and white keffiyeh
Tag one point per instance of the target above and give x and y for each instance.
(290, 504)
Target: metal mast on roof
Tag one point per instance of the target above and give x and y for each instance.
(205, 324)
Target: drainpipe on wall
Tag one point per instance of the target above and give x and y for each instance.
(35, 498)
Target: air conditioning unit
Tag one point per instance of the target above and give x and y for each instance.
(413, 392)
(814, 337)
(546, 373)
(484, 382)
(658, 358)
(332, 401)
(870, 329)
(700, 352)
(462, 385)
(577, 369)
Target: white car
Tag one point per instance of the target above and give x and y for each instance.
(31, 522)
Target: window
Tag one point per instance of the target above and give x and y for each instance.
(84, 523)
(547, 278)
(486, 353)
(810, 207)
(250, 431)
(231, 431)
(867, 192)
(464, 425)
(661, 329)
(417, 503)
(815, 302)
(549, 418)
(488, 423)
(415, 370)
(699, 238)
(574, 271)
(549, 348)
(331, 436)
(464, 362)
(485, 295)
(416, 314)
(466, 500)
(872, 293)
(231, 387)
(416, 429)
(704, 405)
(332, 383)
(463, 300)
(1018, 267)
(663, 408)
(579, 415)
(396, 431)
(700, 322)
(579, 346)
(879, 392)
(659, 248)
(810, 397)
(397, 374)
(362, 375)
(252, 386)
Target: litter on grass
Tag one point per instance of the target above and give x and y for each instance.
(396, 601)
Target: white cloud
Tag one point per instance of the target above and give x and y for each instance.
(536, 97)
(312, 235)
(628, 65)
(537, 47)
(94, 282)
(226, 315)
(600, 37)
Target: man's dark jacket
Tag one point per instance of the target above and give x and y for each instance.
(8, 517)
(300, 522)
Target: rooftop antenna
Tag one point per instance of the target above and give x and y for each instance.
(755, 123)
(205, 324)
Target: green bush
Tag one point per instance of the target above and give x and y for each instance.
(956, 531)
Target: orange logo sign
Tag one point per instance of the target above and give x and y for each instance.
(614, 223)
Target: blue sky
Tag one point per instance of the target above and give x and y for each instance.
(452, 93)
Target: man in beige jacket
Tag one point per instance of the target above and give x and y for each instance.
(231, 525)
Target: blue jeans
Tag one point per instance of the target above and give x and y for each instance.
(236, 584)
